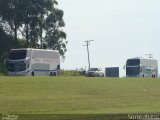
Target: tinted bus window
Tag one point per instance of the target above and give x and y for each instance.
(17, 54)
(133, 62)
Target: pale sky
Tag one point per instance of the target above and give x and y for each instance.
(121, 29)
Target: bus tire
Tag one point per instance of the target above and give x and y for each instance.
(32, 73)
(51, 74)
(54, 74)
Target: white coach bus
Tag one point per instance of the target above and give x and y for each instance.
(33, 62)
(142, 67)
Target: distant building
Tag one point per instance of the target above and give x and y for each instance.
(112, 72)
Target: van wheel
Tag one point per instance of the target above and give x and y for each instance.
(32, 73)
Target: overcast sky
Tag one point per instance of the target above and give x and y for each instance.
(121, 29)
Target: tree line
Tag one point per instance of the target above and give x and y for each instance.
(31, 23)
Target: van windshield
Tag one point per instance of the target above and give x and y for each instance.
(93, 69)
(17, 54)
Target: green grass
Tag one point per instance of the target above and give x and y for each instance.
(78, 95)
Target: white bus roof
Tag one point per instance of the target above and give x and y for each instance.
(35, 49)
(141, 58)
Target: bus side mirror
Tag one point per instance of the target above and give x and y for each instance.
(5, 61)
(124, 67)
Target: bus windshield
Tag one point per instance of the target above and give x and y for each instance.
(17, 54)
(132, 70)
(133, 67)
(16, 66)
(133, 62)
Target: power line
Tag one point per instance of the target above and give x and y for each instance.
(87, 44)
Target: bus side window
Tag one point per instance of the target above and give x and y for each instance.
(27, 65)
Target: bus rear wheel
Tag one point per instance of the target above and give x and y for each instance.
(32, 73)
(51, 74)
(54, 74)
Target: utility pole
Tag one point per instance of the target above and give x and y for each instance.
(150, 55)
(87, 44)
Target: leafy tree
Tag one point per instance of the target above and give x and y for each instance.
(45, 7)
(36, 21)
(12, 15)
(55, 36)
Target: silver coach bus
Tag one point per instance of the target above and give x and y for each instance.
(33, 62)
(142, 67)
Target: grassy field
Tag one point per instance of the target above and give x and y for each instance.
(78, 95)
